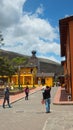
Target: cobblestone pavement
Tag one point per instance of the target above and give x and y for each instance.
(30, 115)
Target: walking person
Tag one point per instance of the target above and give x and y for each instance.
(46, 98)
(26, 92)
(6, 97)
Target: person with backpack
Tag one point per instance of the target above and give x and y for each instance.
(46, 98)
(6, 97)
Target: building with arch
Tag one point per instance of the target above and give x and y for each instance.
(35, 72)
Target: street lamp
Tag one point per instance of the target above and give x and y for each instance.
(19, 76)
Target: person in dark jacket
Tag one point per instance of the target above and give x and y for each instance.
(26, 92)
(6, 97)
(46, 98)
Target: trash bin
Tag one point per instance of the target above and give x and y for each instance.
(69, 97)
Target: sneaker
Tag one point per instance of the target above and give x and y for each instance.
(10, 107)
(3, 106)
(48, 112)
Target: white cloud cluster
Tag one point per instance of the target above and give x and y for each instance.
(24, 32)
(10, 12)
(40, 10)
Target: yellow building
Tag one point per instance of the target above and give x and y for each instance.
(32, 74)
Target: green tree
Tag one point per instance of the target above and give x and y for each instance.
(18, 62)
(6, 67)
(2, 66)
(9, 67)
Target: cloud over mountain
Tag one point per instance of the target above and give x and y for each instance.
(26, 31)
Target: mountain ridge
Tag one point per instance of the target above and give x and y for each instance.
(11, 54)
(46, 65)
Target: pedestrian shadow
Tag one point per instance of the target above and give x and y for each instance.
(40, 112)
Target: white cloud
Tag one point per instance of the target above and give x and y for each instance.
(54, 59)
(10, 12)
(40, 10)
(29, 31)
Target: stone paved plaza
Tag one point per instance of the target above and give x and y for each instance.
(30, 115)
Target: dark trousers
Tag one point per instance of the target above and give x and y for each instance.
(6, 99)
(26, 97)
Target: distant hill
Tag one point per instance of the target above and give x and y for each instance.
(10, 54)
(46, 65)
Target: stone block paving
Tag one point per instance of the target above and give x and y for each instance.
(14, 98)
(24, 116)
(61, 97)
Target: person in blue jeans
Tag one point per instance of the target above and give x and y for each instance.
(46, 98)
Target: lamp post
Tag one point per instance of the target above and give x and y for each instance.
(34, 75)
(19, 76)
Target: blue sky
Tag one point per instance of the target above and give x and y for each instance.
(53, 9)
(29, 25)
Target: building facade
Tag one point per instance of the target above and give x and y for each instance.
(30, 74)
(66, 40)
